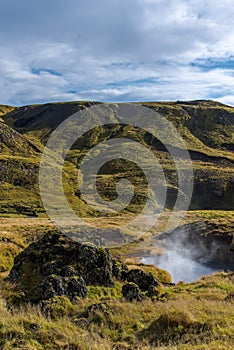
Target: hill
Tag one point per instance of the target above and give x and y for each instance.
(83, 297)
(206, 127)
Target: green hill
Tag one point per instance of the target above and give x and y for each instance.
(77, 309)
(207, 128)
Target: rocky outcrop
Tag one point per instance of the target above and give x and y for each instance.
(57, 266)
(145, 280)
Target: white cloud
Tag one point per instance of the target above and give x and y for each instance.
(116, 50)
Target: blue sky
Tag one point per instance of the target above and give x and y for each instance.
(116, 50)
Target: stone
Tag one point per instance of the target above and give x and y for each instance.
(144, 280)
(56, 266)
(131, 292)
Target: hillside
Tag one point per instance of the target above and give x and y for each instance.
(206, 127)
(85, 297)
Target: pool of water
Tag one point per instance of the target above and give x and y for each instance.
(180, 268)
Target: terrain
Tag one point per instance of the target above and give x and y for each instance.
(197, 315)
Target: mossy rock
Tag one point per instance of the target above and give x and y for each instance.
(55, 265)
(144, 280)
(131, 291)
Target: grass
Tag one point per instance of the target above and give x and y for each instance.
(186, 316)
(61, 324)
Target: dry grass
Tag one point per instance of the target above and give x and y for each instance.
(127, 325)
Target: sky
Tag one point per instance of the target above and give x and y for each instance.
(116, 50)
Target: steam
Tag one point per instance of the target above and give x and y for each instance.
(180, 268)
(189, 255)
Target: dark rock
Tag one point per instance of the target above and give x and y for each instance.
(76, 287)
(68, 271)
(119, 269)
(131, 292)
(143, 279)
(55, 265)
(51, 286)
(58, 286)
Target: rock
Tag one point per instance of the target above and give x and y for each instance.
(50, 287)
(96, 308)
(58, 286)
(55, 265)
(68, 271)
(119, 269)
(131, 292)
(144, 280)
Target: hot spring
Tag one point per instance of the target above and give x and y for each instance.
(192, 251)
(179, 267)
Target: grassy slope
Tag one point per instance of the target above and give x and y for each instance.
(189, 316)
(207, 129)
(173, 314)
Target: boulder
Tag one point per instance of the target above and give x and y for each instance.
(131, 292)
(145, 280)
(57, 286)
(55, 265)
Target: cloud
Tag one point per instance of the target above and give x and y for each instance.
(116, 51)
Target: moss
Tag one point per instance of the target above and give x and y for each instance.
(58, 307)
(105, 293)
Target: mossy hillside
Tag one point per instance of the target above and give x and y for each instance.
(213, 163)
(215, 120)
(19, 185)
(205, 124)
(14, 143)
(38, 121)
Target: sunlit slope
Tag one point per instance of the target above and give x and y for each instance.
(206, 127)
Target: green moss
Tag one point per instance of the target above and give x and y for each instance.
(105, 293)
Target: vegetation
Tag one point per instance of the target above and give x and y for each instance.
(186, 316)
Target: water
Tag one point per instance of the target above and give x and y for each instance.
(180, 268)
